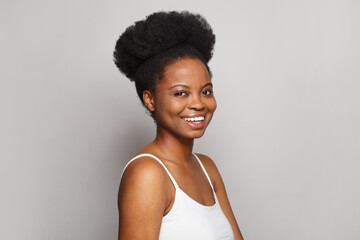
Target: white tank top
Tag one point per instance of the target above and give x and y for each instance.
(189, 219)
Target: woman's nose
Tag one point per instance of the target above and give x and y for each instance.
(196, 103)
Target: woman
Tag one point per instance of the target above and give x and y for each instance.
(167, 191)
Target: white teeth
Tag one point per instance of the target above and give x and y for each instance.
(194, 119)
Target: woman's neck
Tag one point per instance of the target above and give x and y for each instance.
(174, 147)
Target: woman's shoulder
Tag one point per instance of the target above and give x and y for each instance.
(144, 178)
(210, 168)
(207, 162)
(144, 167)
(143, 196)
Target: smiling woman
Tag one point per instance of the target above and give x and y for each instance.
(166, 190)
(184, 102)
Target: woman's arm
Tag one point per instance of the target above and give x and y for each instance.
(142, 200)
(220, 191)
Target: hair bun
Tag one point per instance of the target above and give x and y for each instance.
(159, 32)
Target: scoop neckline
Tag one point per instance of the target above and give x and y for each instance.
(177, 187)
(197, 203)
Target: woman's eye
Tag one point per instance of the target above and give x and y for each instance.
(207, 92)
(180, 94)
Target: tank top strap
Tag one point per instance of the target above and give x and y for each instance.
(203, 168)
(157, 159)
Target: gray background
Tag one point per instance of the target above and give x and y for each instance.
(286, 134)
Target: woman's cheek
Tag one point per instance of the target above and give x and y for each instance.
(212, 104)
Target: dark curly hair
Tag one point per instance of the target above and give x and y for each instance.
(144, 50)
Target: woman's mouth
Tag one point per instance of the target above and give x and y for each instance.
(194, 119)
(195, 122)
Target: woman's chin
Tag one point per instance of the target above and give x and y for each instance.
(197, 135)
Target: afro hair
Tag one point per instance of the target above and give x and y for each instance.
(144, 50)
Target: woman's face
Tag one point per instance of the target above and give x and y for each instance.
(184, 102)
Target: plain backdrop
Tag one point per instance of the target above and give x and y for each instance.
(285, 136)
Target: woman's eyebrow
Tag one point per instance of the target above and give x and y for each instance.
(183, 85)
(207, 84)
(179, 85)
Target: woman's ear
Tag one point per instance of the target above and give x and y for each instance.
(149, 100)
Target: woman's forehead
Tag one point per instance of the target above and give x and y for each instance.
(187, 71)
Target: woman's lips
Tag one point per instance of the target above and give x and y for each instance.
(194, 122)
(194, 118)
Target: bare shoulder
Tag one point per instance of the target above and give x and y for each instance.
(145, 165)
(210, 168)
(143, 171)
(206, 160)
(143, 198)
(144, 178)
